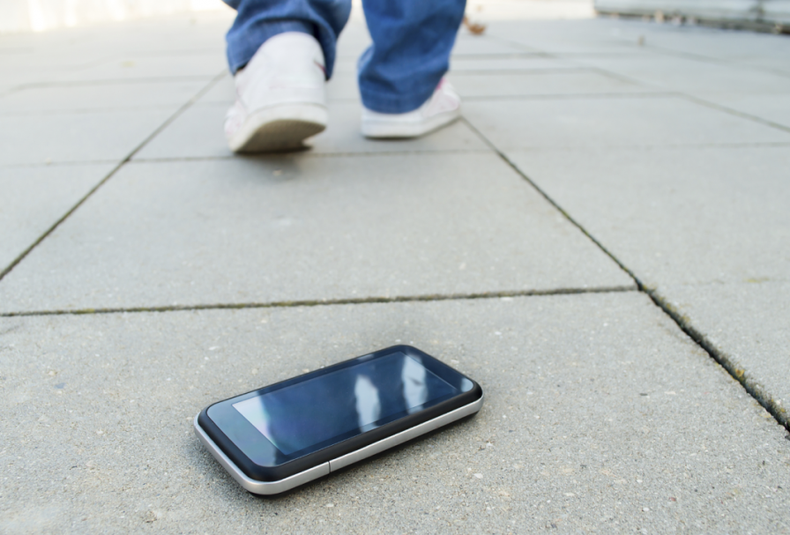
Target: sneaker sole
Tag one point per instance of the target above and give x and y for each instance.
(279, 128)
(393, 130)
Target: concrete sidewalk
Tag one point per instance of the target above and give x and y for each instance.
(602, 242)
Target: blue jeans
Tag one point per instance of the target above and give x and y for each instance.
(412, 40)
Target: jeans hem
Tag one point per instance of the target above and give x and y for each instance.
(241, 50)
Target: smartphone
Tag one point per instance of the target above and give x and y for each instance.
(286, 434)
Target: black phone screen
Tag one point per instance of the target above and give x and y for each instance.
(352, 399)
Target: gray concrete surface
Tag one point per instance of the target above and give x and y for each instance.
(26, 215)
(666, 145)
(526, 61)
(146, 67)
(766, 106)
(109, 96)
(483, 46)
(611, 121)
(567, 38)
(76, 137)
(600, 417)
(690, 74)
(520, 84)
(312, 228)
(703, 215)
(741, 48)
(748, 321)
(707, 228)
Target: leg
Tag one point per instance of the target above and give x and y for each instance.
(281, 52)
(412, 40)
(258, 20)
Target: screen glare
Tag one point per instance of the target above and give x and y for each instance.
(354, 398)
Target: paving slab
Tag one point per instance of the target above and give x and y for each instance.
(599, 417)
(56, 51)
(707, 227)
(548, 83)
(563, 37)
(49, 63)
(741, 46)
(25, 214)
(480, 45)
(677, 40)
(775, 64)
(132, 66)
(181, 33)
(11, 84)
(195, 133)
(629, 36)
(747, 323)
(563, 48)
(513, 62)
(21, 74)
(770, 107)
(28, 57)
(223, 91)
(624, 121)
(690, 74)
(198, 133)
(677, 215)
(76, 136)
(306, 228)
(49, 52)
(112, 96)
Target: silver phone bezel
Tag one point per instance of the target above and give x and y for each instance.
(276, 487)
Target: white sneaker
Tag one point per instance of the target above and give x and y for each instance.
(280, 97)
(441, 109)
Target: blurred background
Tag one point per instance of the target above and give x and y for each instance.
(40, 15)
(765, 15)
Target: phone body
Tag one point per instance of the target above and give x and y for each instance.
(283, 435)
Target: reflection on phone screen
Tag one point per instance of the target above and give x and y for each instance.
(353, 398)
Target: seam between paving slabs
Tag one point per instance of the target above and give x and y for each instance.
(327, 302)
(278, 156)
(109, 175)
(703, 102)
(426, 152)
(752, 386)
(643, 45)
(735, 112)
(416, 152)
(719, 61)
(687, 96)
